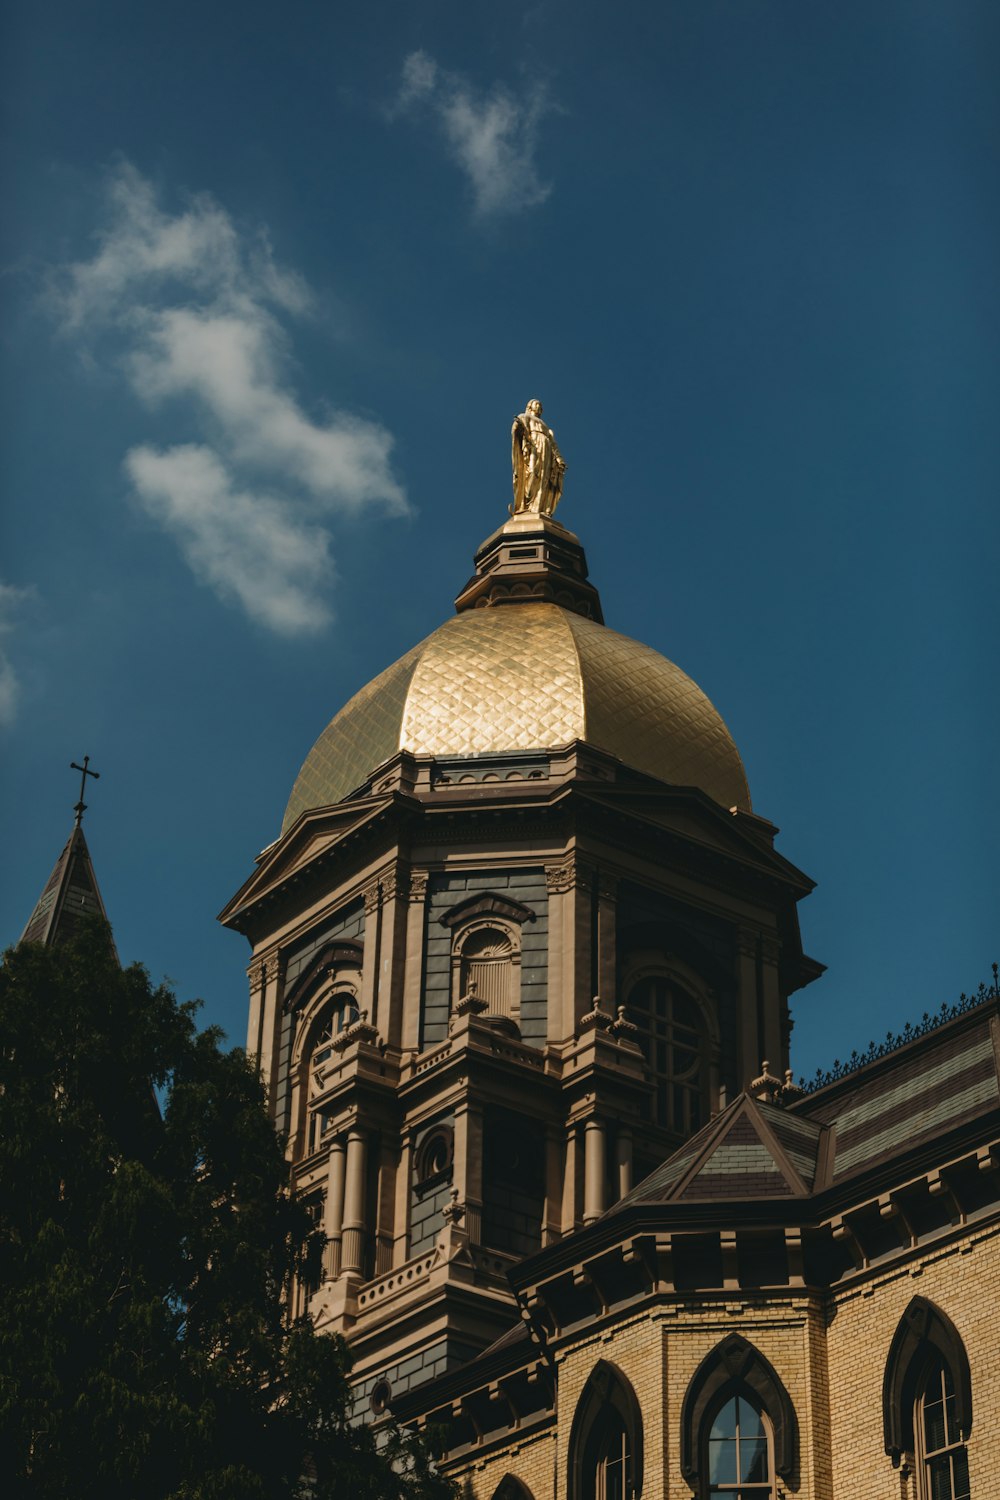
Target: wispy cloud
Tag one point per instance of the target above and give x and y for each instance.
(492, 135)
(11, 600)
(195, 311)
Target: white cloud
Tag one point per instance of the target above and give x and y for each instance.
(11, 600)
(194, 310)
(492, 136)
(246, 546)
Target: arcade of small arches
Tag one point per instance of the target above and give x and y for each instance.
(739, 1437)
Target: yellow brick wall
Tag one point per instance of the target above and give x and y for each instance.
(964, 1280)
(829, 1353)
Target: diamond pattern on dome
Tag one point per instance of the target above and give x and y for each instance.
(359, 738)
(496, 679)
(650, 714)
(526, 677)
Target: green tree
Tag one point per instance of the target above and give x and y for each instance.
(145, 1251)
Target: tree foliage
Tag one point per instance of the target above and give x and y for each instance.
(145, 1250)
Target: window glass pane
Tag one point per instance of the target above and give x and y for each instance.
(933, 1426)
(753, 1458)
(722, 1460)
(952, 1423)
(724, 1425)
(751, 1425)
(939, 1478)
(960, 1472)
(685, 1013)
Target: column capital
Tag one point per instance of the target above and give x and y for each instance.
(372, 895)
(255, 974)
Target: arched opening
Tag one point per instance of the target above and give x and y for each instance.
(605, 1443)
(927, 1401)
(511, 1488)
(333, 1016)
(486, 967)
(674, 1044)
(739, 1432)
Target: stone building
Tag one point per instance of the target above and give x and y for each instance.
(518, 954)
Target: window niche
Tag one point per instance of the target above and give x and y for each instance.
(605, 1443)
(486, 953)
(738, 1427)
(323, 1003)
(431, 1180)
(927, 1402)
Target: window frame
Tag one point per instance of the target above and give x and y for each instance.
(736, 1368)
(924, 1332)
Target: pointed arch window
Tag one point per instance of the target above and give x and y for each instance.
(739, 1432)
(606, 1439)
(942, 1457)
(740, 1451)
(672, 1038)
(339, 1012)
(927, 1402)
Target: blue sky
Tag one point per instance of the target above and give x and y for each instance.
(277, 278)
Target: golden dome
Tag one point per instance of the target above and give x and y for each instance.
(526, 676)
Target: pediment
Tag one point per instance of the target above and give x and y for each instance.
(314, 834)
(686, 812)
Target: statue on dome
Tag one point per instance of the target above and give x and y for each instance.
(538, 465)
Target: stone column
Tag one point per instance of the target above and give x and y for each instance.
(414, 972)
(607, 923)
(467, 1170)
(392, 951)
(352, 1255)
(333, 1211)
(773, 1042)
(553, 1211)
(372, 943)
(569, 1182)
(750, 1039)
(255, 974)
(623, 1159)
(594, 1202)
(571, 973)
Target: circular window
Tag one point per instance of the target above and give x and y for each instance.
(381, 1396)
(435, 1155)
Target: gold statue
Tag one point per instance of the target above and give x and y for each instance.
(538, 465)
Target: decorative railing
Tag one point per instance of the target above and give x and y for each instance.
(930, 1021)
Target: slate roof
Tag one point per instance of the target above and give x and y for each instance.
(750, 1150)
(944, 1081)
(71, 894)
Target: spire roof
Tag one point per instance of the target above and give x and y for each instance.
(71, 894)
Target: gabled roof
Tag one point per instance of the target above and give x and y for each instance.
(70, 895)
(751, 1150)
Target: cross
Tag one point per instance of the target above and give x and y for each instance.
(81, 806)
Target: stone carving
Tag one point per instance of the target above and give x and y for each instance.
(538, 465)
(255, 974)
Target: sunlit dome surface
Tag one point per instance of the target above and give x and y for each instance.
(529, 676)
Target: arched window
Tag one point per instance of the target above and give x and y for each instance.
(740, 1458)
(511, 1488)
(338, 1013)
(942, 1459)
(672, 1038)
(738, 1428)
(927, 1401)
(605, 1443)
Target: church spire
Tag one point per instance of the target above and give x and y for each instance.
(71, 892)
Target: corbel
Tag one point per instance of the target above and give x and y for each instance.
(730, 1260)
(940, 1187)
(499, 1390)
(843, 1232)
(793, 1252)
(890, 1210)
(584, 1280)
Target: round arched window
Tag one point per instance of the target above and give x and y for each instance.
(671, 1036)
